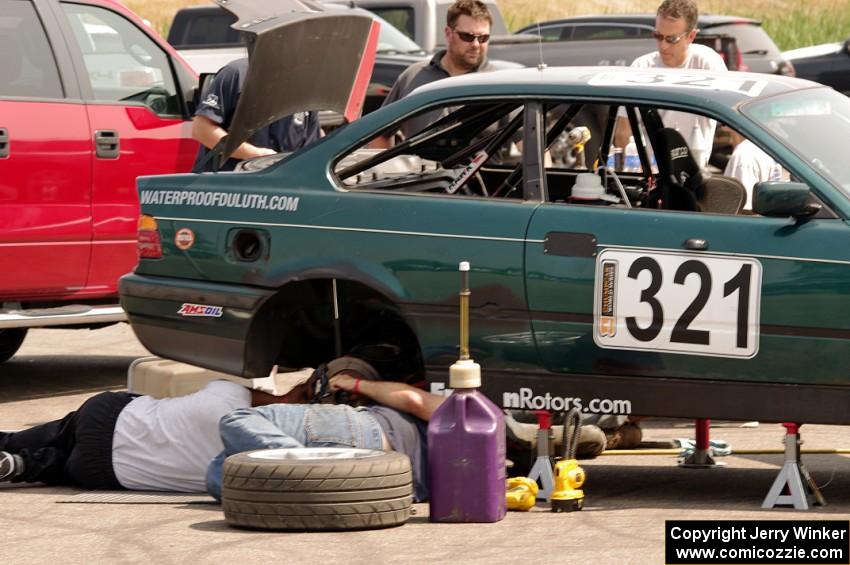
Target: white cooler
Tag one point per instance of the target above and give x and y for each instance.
(162, 378)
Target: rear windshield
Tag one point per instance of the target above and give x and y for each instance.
(752, 39)
(204, 30)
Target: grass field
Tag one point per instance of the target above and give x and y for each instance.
(791, 23)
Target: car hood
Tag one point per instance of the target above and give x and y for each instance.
(283, 80)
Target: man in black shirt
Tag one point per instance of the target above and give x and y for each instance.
(467, 32)
(215, 113)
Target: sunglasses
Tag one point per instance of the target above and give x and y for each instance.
(467, 37)
(671, 39)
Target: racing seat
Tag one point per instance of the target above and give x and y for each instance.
(722, 195)
(679, 176)
(685, 186)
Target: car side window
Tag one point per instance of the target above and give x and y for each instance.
(459, 150)
(401, 18)
(27, 65)
(123, 64)
(552, 33)
(673, 160)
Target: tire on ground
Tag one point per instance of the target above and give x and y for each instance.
(10, 341)
(316, 489)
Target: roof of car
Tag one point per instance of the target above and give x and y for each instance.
(705, 20)
(652, 84)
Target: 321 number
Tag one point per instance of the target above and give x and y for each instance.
(682, 332)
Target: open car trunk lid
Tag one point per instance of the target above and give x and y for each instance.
(301, 57)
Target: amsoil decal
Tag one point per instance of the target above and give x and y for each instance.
(201, 310)
(219, 199)
(184, 239)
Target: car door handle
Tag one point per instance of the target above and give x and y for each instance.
(4, 143)
(696, 244)
(107, 144)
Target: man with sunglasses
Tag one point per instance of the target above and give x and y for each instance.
(675, 31)
(467, 32)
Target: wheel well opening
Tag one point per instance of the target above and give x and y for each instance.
(370, 326)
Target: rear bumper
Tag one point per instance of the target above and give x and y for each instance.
(216, 326)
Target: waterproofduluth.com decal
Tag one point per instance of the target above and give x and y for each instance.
(219, 199)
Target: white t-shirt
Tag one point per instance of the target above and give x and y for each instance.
(751, 165)
(699, 57)
(166, 444)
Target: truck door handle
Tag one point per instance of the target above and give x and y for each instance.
(696, 244)
(107, 145)
(4, 143)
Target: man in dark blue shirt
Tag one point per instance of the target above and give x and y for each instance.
(215, 113)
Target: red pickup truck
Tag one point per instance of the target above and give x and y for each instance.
(90, 98)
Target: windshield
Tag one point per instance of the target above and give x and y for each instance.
(800, 119)
(392, 40)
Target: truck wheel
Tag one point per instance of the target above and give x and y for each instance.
(10, 342)
(319, 488)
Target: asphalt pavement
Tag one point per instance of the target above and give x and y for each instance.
(628, 497)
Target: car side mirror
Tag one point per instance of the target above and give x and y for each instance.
(847, 46)
(783, 199)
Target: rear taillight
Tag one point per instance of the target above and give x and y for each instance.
(150, 244)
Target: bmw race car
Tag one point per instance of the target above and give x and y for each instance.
(650, 291)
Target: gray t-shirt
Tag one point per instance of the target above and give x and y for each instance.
(419, 74)
(407, 435)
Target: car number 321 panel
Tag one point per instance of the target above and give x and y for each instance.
(677, 303)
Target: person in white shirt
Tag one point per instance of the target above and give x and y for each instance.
(750, 165)
(675, 31)
(118, 440)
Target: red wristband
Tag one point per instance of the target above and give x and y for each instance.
(356, 389)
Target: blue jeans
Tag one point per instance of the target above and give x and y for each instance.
(292, 425)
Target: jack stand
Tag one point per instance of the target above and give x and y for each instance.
(702, 457)
(542, 469)
(794, 478)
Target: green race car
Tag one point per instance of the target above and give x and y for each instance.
(668, 289)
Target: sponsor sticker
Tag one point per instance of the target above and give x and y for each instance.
(728, 81)
(184, 239)
(694, 304)
(200, 310)
(207, 198)
(608, 299)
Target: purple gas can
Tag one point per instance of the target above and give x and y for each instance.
(466, 459)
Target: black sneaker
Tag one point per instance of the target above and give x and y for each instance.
(10, 466)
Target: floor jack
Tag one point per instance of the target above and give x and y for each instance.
(563, 488)
(793, 485)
